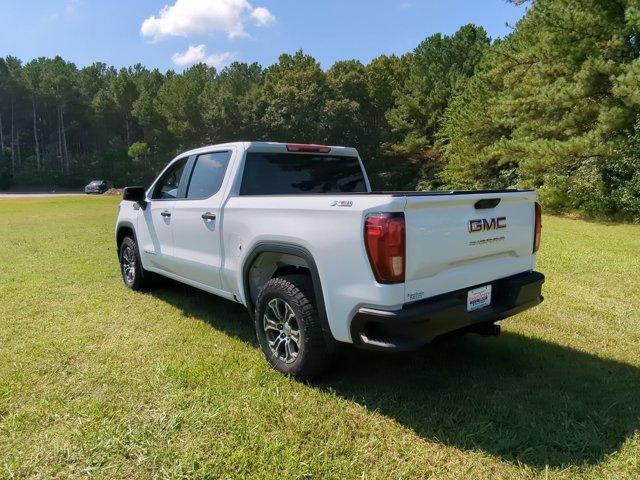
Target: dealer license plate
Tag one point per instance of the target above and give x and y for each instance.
(478, 298)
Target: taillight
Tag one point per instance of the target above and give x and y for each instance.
(538, 228)
(384, 236)
(298, 147)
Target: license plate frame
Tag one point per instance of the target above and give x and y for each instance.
(479, 298)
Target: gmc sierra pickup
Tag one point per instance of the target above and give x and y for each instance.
(295, 234)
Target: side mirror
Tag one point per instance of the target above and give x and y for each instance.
(135, 194)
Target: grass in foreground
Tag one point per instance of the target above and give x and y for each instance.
(96, 380)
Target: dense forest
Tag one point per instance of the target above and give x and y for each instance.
(555, 105)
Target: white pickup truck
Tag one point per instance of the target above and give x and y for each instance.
(294, 233)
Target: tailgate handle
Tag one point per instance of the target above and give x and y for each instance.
(487, 203)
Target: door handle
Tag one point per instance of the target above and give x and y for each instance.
(209, 216)
(165, 213)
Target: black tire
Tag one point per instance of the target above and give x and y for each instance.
(313, 357)
(133, 275)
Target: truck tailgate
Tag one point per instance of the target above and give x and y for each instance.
(454, 242)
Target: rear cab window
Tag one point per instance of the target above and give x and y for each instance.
(276, 173)
(207, 175)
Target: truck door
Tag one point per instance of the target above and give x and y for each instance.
(154, 229)
(196, 220)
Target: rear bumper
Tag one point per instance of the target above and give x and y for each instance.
(418, 323)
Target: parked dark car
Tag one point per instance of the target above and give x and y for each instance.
(97, 186)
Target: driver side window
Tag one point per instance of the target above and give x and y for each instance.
(167, 187)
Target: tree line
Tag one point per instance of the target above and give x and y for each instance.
(554, 106)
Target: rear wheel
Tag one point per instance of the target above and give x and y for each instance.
(288, 327)
(133, 275)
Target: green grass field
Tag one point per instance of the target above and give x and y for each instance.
(98, 381)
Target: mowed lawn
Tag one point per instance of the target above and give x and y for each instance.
(98, 381)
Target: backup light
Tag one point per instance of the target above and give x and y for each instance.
(384, 235)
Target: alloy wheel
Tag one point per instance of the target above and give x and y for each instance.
(128, 264)
(282, 330)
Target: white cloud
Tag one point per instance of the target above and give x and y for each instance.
(262, 16)
(198, 54)
(189, 17)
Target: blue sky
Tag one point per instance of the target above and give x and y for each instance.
(219, 31)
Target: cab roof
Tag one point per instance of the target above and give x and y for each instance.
(256, 146)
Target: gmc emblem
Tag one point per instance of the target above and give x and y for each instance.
(486, 224)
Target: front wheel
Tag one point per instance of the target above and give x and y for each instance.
(133, 275)
(288, 328)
